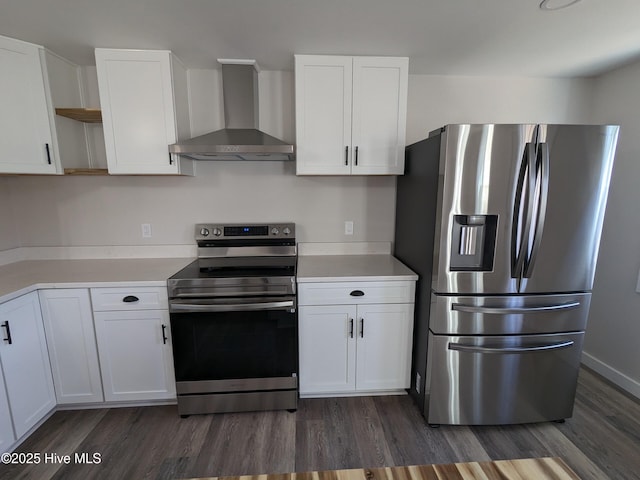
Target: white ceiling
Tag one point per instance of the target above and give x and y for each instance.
(451, 37)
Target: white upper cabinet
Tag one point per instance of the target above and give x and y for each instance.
(143, 96)
(350, 115)
(27, 125)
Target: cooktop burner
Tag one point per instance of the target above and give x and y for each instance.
(195, 271)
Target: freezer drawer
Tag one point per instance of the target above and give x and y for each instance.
(497, 380)
(509, 314)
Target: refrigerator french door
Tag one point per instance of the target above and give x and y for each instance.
(515, 236)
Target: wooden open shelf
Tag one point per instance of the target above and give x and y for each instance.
(86, 115)
(86, 171)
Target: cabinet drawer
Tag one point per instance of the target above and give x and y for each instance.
(129, 298)
(350, 293)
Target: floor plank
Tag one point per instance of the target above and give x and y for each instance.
(600, 441)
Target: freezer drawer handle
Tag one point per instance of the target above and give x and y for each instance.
(507, 310)
(537, 348)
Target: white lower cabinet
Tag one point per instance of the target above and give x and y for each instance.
(7, 435)
(68, 324)
(25, 363)
(135, 355)
(327, 347)
(134, 346)
(357, 347)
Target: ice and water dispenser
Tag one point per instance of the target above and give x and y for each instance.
(473, 243)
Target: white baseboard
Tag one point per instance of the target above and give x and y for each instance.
(11, 256)
(623, 381)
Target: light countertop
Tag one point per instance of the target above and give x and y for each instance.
(346, 268)
(23, 277)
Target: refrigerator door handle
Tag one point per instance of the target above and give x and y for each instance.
(510, 310)
(541, 194)
(522, 210)
(502, 350)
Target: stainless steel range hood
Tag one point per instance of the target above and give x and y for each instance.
(240, 140)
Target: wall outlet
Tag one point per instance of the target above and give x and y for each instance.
(348, 227)
(146, 230)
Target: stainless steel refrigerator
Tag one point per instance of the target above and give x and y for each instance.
(502, 223)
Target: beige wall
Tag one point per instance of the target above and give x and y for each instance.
(80, 211)
(614, 324)
(435, 101)
(9, 237)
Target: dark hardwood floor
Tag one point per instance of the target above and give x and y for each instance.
(601, 441)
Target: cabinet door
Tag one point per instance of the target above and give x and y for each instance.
(384, 346)
(323, 114)
(25, 362)
(7, 435)
(327, 349)
(68, 325)
(26, 122)
(135, 355)
(138, 111)
(379, 114)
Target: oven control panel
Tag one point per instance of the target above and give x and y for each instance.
(213, 231)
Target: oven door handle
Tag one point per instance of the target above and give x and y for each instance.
(239, 307)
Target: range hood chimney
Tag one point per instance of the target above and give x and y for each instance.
(241, 139)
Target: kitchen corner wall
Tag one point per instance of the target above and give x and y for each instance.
(613, 333)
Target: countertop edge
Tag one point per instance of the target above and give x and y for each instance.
(359, 278)
(23, 277)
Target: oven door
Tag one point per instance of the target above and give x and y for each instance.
(234, 345)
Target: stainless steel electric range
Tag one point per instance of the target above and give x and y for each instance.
(234, 321)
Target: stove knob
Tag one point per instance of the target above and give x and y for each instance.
(286, 230)
(217, 232)
(275, 231)
(204, 232)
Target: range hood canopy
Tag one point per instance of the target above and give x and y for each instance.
(240, 140)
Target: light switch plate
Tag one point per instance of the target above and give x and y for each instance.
(146, 230)
(348, 227)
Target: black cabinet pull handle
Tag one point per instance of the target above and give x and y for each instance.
(46, 145)
(357, 293)
(164, 334)
(362, 328)
(7, 339)
(346, 155)
(170, 159)
(351, 328)
(130, 299)
(356, 161)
